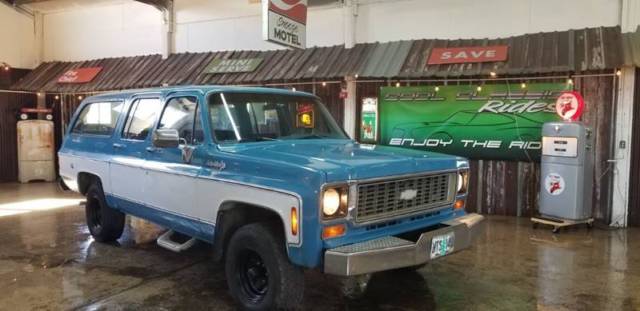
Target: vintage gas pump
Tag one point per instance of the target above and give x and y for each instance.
(566, 167)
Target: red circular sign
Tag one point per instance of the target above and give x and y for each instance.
(570, 105)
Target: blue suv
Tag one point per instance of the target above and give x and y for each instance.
(268, 178)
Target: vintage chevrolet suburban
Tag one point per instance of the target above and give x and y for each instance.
(268, 178)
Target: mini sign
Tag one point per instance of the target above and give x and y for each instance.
(80, 75)
(233, 65)
(477, 54)
(570, 105)
(284, 22)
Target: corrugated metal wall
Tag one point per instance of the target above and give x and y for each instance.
(511, 188)
(10, 104)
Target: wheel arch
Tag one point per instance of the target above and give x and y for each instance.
(85, 180)
(234, 214)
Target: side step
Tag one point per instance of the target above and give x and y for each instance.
(165, 241)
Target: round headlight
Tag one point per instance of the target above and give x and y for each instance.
(330, 202)
(460, 181)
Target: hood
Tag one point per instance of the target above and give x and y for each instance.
(343, 160)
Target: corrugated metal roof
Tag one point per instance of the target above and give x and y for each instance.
(631, 48)
(385, 59)
(567, 51)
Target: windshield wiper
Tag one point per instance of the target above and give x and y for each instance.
(264, 138)
(312, 136)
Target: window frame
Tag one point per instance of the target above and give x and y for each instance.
(196, 116)
(133, 101)
(85, 106)
(220, 93)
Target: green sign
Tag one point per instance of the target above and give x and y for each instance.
(233, 65)
(501, 122)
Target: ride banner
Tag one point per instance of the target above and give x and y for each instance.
(492, 122)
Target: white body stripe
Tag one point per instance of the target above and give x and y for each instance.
(187, 195)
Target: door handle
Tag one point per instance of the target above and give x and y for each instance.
(118, 146)
(153, 149)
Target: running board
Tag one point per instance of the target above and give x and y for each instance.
(165, 241)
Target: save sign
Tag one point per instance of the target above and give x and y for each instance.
(478, 54)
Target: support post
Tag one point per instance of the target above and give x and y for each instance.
(349, 119)
(168, 33)
(38, 31)
(350, 12)
(622, 154)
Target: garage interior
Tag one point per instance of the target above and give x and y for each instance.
(51, 262)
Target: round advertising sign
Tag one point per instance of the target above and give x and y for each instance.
(554, 184)
(569, 105)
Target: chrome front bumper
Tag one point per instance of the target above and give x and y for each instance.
(391, 252)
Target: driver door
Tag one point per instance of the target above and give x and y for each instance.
(171, 172)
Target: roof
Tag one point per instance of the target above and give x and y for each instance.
(582, 50)
(575, 51)
(112, 95)
(631, 48)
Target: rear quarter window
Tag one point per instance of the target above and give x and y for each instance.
(98, 118)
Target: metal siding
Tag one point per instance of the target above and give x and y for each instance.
(582, 50)
(10, 105)
(631, 48)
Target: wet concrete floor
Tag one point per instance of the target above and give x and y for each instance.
(48, 261)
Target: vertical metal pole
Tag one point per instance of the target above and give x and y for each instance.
(63, 125)
(480, 186)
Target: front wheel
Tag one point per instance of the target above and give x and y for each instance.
(259, 274)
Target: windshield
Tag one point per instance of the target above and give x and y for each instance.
(250, 117)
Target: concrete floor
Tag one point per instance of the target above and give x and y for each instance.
(48, 261)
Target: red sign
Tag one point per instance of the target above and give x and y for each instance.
(293, 9)
(570, 105)
(80, 75)
(343, 94)
(476, 54)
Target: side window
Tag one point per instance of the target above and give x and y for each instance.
(181, 114)
(221, 125)
(141, 118)
(98, 118)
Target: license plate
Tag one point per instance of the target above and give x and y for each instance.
(442, 245)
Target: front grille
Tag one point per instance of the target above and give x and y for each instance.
(385, 199)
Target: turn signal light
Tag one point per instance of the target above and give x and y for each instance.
(459, 204)
(333, 231)
(294, 221)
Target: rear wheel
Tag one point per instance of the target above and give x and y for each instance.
(258, 271)
(105, 223)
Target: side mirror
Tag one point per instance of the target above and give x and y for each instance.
(165, 138)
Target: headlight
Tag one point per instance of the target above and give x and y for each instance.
(334, 202)
(463, 182)
(330, 202)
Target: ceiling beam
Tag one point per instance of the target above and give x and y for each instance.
(23, 2)
(162, 5)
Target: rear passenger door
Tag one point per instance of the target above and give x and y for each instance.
(127, 169)
(172, 172)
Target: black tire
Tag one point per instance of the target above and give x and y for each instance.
(259, 274)
(105, 223)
